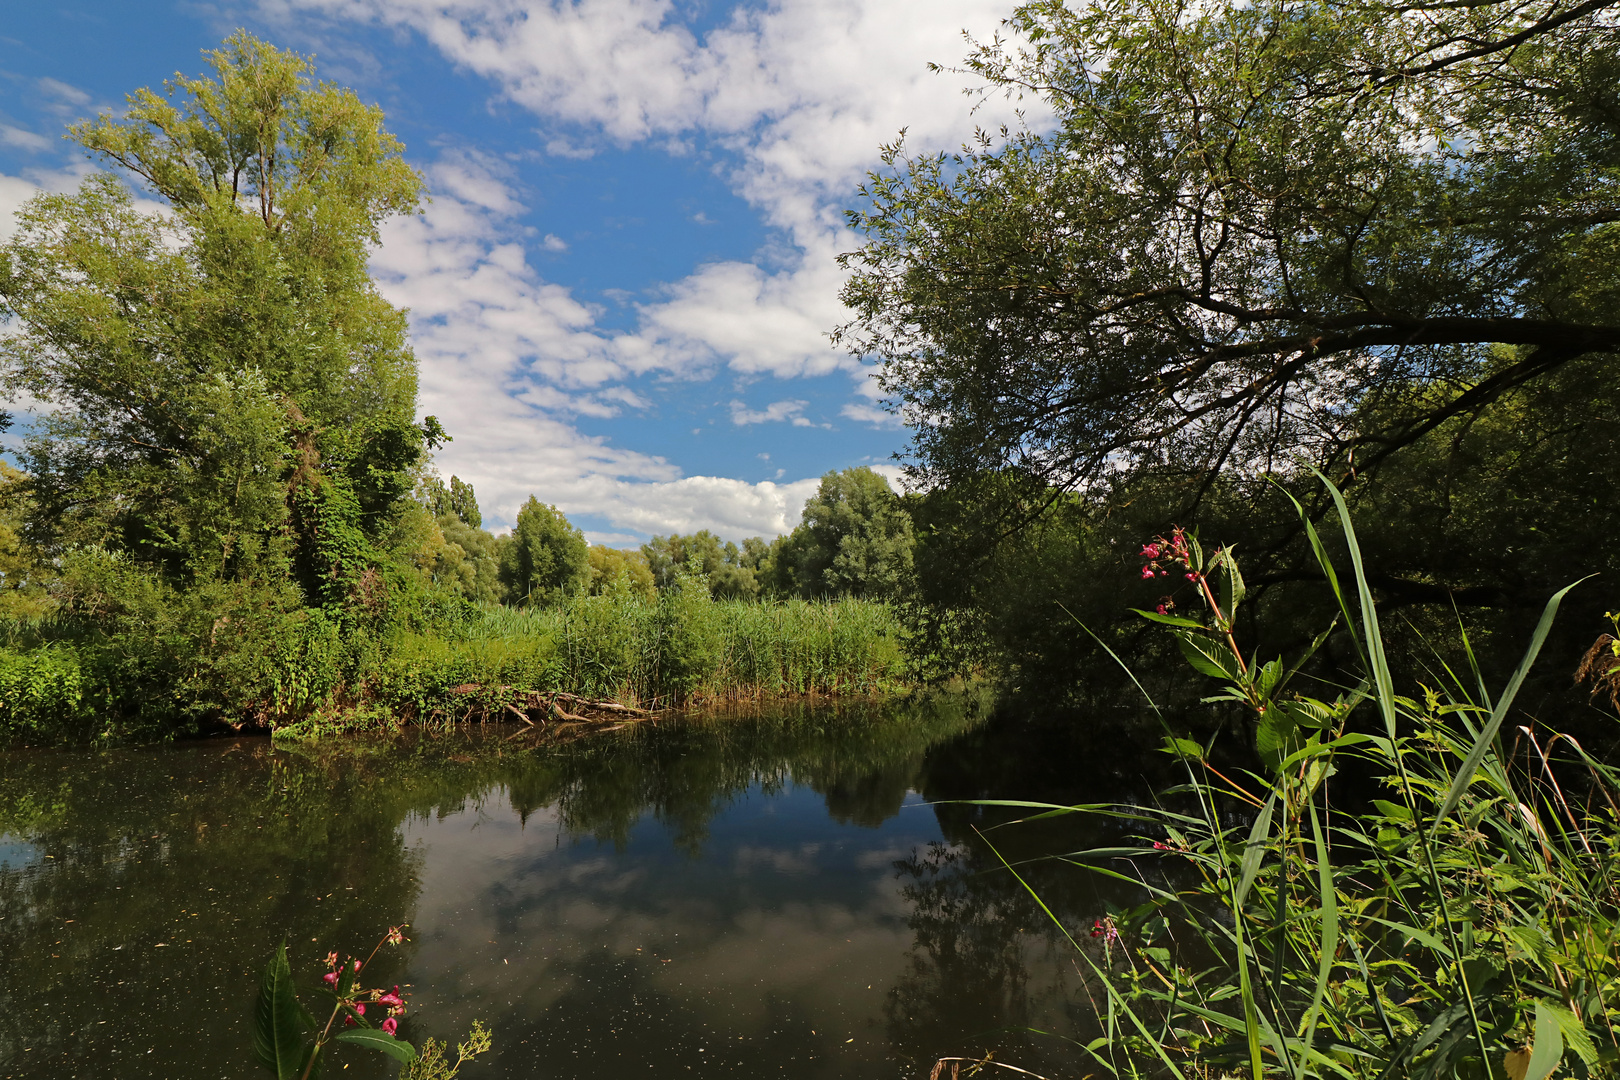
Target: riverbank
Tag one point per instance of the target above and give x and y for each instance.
(308, 675)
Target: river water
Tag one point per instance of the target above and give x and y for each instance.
(777, 894)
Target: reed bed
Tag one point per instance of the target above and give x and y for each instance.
(670, 652)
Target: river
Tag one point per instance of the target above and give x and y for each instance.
(786, 892)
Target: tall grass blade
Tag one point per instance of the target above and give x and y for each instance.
(1254, 850)
(1328, 897)
(1115, 1001)
(1487, 735)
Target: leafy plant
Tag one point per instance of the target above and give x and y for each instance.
(1465, 926)
(433, 1062)
(288, 1040)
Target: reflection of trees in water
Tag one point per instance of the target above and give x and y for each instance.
(987, 969)
(986, 963)
(172, 873)
(163, 881)
(863, 759)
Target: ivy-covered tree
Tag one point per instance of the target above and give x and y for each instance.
(226, 394)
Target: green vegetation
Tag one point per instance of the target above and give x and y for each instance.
(226, 516)
(1464, 925)
(1254, 238)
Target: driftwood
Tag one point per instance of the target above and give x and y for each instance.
(533, 707)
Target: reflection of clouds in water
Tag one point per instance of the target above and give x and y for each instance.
(803, 859)
(884, 858)
(17, 854)
(615, 956)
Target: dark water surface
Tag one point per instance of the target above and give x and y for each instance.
(767, 895)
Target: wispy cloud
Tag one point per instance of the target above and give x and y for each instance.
(23, 140)
(778, 410)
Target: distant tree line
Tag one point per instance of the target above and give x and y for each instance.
(854, 539)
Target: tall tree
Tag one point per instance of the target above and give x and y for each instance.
(855, 540)
(1255, 231)
(546, 558)
(227, 393)
(730, 573)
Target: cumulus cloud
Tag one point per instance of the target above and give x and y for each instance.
(794, 96)
(870, 414)
(506, 357)
(801, 94)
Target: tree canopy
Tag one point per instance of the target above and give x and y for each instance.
(1255, 232)
(855, 539)
(224, 389)
(546, 557)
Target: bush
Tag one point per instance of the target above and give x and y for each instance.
(41, 692)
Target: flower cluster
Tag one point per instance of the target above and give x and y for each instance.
(343, 978)
(1105, 929)
(1164, 556)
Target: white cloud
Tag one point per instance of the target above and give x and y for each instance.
(23, 140)
(504, 353)
(796, 95)
(554, 243)
(801, 93)
(65, 93)
(778, 410)
(870, 414)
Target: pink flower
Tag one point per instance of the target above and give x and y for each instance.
(1147, 572)
(357, 965)
(330, 978)
(391, 999)
(1160, 846)
(390, 1026)
(1150, 551)
(1162, 611)
(348, 1021)
(1192, 577)
(360, 1007)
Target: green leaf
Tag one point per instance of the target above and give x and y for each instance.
(1548, 1048)
(1574, 1032)
(1205, 655)
(1393, 810)
(1169, 620)
(1182, 748)
(280, 1024)
(1487, 734)
(1274, 736)
(1234, 590)
(382, 1042)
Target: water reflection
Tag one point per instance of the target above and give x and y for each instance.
(732, 896)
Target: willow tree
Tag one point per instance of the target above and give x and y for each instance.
(221, 390)
(1252, 233)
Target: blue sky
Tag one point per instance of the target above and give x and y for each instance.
(621, 291)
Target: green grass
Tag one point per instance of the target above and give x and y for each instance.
(670, 652)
